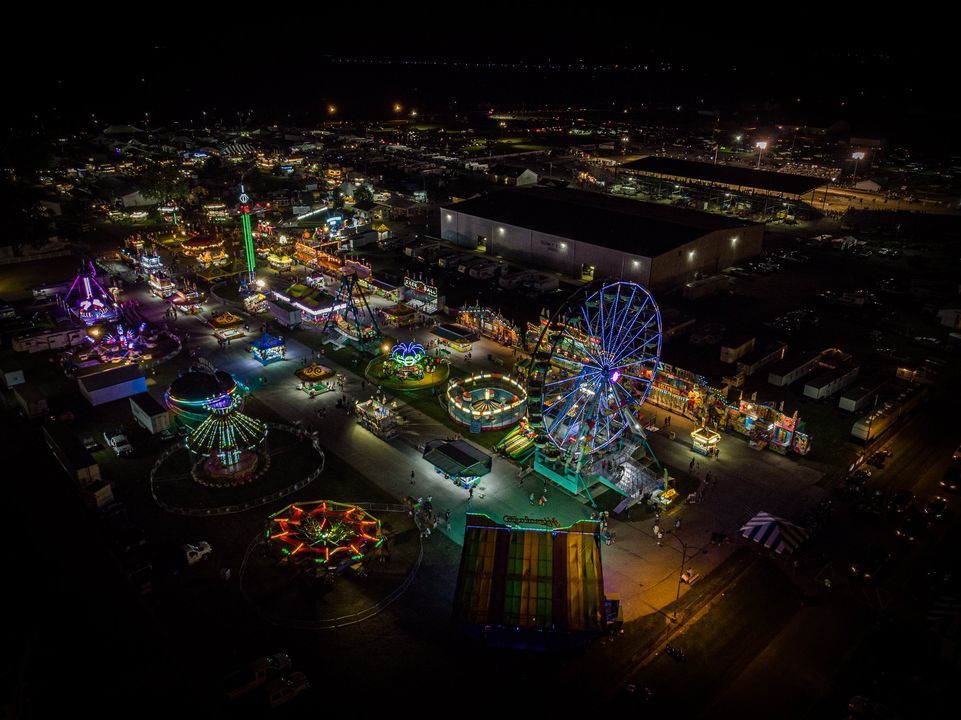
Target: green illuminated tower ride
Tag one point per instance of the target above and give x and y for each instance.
(249, 253)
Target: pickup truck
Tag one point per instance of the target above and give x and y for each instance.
(195, 552)
(256, 674)
(285, 689)
(118, 442)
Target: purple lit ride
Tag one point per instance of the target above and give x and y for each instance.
(88, 300)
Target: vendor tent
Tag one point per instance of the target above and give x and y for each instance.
(774, 533)
(457, 458)
(522, 580)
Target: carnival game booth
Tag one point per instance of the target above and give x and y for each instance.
(537, 587)
(314, 304)
(324, 537)
(457, 337)
(227, 326)
(768, 427)
(458, 461)
(486, 401)
(161, 285)
(279, 262)
(378, 417)
(399, 315)
(490, 323)
(704, 441)
(312, 378)
(150, 262)
(189, 300)
(268, 348)
(255, 302)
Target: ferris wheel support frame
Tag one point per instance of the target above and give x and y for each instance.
(572, 477)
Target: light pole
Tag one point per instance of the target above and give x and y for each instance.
(680, 574)
(760, 145)
(858, 157)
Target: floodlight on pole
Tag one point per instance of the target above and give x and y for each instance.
(858, 157)
(760, 145)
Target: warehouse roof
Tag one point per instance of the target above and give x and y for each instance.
(457, 458)
(630, 226)
(778, 182)
(109, 378)
(531, 580)
(146, 402)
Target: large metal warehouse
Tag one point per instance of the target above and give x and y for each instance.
(589, 235)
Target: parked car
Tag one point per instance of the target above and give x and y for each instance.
(118, 442)
(870, 564)
(913, 528)
(285, 689)
(256, 674)
(952, 479)
(901, 500)
(196, 552)
(936, 508)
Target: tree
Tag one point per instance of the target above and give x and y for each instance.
(163, 183)
(363, 194)
(23, 217)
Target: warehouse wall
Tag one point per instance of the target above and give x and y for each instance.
(707, 255)
(712, 252)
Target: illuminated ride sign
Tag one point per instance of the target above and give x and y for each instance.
(407, 354)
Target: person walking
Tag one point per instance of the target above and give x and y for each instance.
(447, 520)
(677, 524)
(691, 466)
(532, 498)
(470, 493)
(411, 477)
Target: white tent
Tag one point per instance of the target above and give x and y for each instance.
(774, 533)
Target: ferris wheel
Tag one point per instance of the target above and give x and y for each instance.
(592, 369)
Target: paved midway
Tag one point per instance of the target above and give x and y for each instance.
(643, 574)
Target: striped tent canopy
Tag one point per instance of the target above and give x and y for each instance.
(530, 579)
(775, 534)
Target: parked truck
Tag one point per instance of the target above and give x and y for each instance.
(256, 674)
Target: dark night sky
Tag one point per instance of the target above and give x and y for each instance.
(174, 69)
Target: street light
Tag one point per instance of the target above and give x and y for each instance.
(760, 145)
(858, 157)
